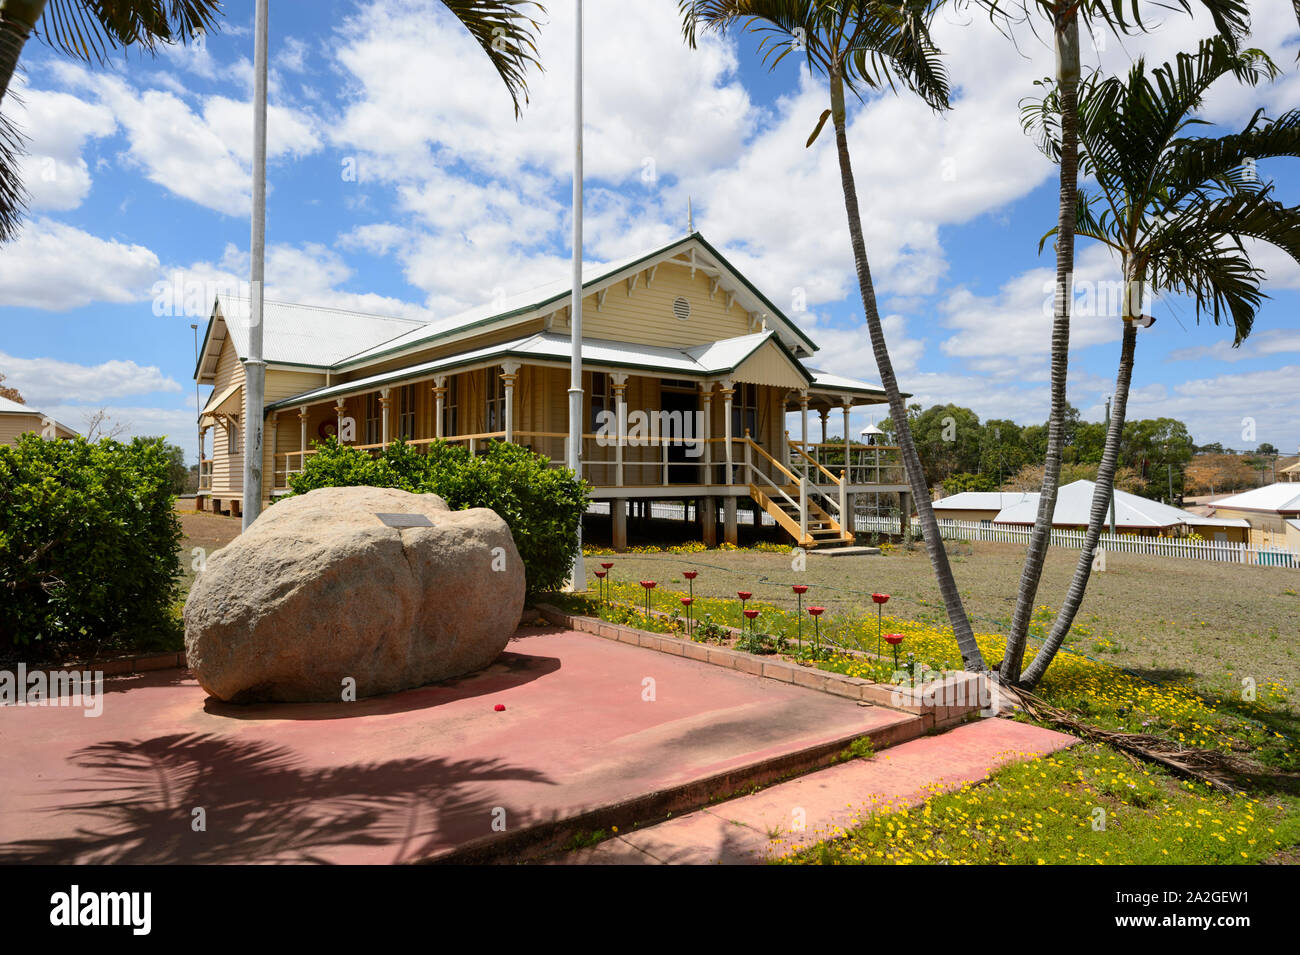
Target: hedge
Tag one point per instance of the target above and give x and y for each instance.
(542, 505)
(89, 541)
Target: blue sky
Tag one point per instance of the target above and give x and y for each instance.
(401, 183)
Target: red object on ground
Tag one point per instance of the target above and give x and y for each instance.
(751, 614)
(500, 707)
(894, 638)
(687, 601)
(690, 574)
(648, 584)
(880, 598)
(743, 594)
(800, 588)
(816, 611)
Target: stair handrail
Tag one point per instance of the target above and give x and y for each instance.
(798, 446)
(781, 467)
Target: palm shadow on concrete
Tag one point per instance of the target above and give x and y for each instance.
(507, 671)
(264, 805)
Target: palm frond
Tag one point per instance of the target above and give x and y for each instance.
(90, 30)
(13, 197)
(506, 31)
(873, 44)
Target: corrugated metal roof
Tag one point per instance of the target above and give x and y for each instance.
(554, 295)
(310, 334)
(983, 500)
(9, 406)
(825, 379)
(549, 346)
(1283, 496)
(1074, 507)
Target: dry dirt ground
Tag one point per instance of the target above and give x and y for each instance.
(203, 530)
(1167, 619)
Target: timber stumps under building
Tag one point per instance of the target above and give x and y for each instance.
(689, 372)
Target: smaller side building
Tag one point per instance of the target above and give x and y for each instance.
(982, 506)
(1272, 512)
(17, 419)
(1133, 515)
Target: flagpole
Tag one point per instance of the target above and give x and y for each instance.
(578, 575)
(254, 366)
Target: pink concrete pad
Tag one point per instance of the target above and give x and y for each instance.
(395, 778)
(827, 802)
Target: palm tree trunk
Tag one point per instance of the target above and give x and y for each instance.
(1067, 72)
(970, 651)
(18, 19)
(1101, 496)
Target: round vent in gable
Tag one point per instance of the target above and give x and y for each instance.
(681, 308)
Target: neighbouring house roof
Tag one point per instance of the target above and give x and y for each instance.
(1294, 522)
(983, 500)
(9, 406)
(1074, 507)
(1282, 497)
(715, 358)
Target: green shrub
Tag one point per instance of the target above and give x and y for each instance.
(89, 544)
(542, 505)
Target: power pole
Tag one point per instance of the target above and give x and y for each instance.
(254, 366)
(578, 575)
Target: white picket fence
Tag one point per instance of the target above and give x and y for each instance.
(1002, 534)
(1126, 544)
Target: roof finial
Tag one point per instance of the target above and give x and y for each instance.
(690, 217)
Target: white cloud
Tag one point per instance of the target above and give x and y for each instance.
(49, 381)
(308, 274)
(201, 156)
(57, 267)
(57, 127)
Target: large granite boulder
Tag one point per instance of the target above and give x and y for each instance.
(336, 584)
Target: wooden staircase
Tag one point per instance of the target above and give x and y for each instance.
(781, 502)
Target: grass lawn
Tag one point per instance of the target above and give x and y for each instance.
(1103, 810)
(1205, 624)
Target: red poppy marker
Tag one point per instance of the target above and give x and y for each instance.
(800, 590)
(881, 600)
(600, 576)
(894, 639)
(816, 614)
(751, 614)
(649, 585)
(686, 602)
(690, 576)
(607, 564)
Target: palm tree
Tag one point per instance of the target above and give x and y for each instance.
(859, 45)
(87, 30)
(1176, 209)
(1230, 20)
